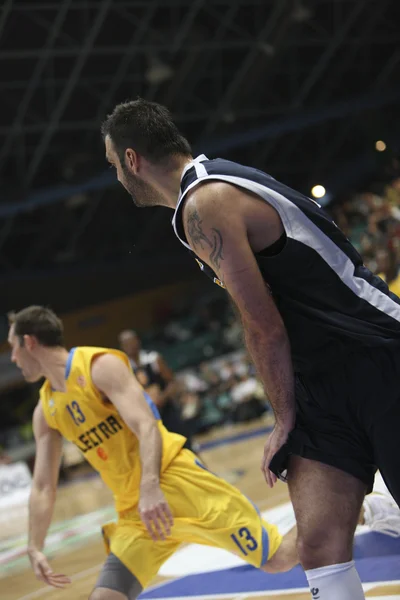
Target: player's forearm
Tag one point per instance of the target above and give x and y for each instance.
(270, 351)
(150, 444)
(41, 505)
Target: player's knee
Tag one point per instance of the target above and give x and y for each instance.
(285, 557)
(322, 548)
(279, 564)
(101, 593)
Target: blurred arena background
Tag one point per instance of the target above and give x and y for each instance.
(307, 90)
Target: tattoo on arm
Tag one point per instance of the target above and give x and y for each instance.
(216, 255)
(195, 231)
(198, 237)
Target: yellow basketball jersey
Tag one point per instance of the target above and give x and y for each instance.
(83, 416)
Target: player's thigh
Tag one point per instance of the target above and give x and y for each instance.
(327, 503)
(209, 510)
(133, 548)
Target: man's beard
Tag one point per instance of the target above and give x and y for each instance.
(142, 193)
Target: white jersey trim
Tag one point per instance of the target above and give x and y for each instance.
(300, 228)
(196, 162)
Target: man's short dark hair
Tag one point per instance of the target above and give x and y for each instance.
(147, 128)
(39, 321)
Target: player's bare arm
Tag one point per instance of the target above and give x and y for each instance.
(115, 380)
(220, 237)
(42, 497)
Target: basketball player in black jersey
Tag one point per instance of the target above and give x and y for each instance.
(322, 330)
(158, 380)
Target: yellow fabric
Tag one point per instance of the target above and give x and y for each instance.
(394, 285)
(85, 418)
(207, 510)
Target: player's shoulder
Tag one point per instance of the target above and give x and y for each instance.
(93, 353)
(107, 363)
(214, 199)
(228, 170)
(45, 389)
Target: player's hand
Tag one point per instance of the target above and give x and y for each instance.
(155, 512)
(44, 572)
(274, 442)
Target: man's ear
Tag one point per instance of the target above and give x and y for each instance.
(132, 160)
(29, 342)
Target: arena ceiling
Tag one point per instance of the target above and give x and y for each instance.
(300, 88)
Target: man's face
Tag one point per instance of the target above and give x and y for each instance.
(130, 344)
(23, 355)
(143, 194)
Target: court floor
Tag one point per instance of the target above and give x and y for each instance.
(196, 572)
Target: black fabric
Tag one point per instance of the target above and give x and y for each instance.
(152, 377)
(326, 319)
(170, 412)
(116, 576)
(350, 419)
(171, 417)
(274, 248)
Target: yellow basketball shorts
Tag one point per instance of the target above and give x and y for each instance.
(206, 509)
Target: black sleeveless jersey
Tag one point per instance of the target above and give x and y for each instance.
(331, 304)
(149, 368)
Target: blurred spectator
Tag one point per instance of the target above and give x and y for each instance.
(388, 270)
(158, 380)
(392, 193)
(4, 458)
(248, 396)
(372, 222)
(231, 392)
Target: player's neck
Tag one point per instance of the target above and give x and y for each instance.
(168, 181)
(135, 357)
(54, 362)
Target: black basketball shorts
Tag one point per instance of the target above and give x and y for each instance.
(349, 418)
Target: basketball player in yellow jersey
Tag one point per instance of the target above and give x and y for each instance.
(164, 496)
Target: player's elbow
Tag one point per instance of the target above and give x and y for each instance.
(43, 489)
(277, 567)
(146, 429)
(269, 334)
(278, 334)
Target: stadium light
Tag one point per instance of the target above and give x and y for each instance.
(380, 146)
(318, 191)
